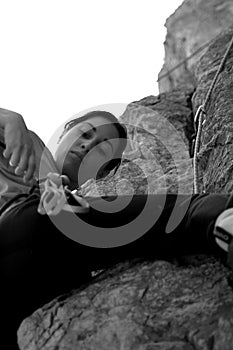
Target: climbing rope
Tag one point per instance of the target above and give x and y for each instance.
(198, 119)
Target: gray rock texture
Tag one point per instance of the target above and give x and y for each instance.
(150, 306)
(215, 158)
(182, 303)
(194, 23)
(157, 158)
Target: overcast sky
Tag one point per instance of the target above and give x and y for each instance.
(60, 58)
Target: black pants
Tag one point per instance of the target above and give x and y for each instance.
(38, 262)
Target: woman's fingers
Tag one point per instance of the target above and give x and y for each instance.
(24, 162)
(29, 172)
(14, 157)
(22, 165)
(19, 147)
(13, 153)
(56, 178)
(59, 179)
(65, 180)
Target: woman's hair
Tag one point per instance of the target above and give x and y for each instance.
(122, 131)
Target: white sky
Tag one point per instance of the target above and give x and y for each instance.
(59, 58)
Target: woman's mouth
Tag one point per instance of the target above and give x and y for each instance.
(76, 154)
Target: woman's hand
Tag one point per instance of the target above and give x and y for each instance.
(58, 179)
(19, 145)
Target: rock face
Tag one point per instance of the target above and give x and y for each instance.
(181, 303)
(150, 306)
(215, 158)
(194, 23)
(157, 158)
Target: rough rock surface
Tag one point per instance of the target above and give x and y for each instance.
(215, 158)
(157, 158)
(178, 304)
(194, 23)
(150, 306)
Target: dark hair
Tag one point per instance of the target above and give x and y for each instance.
(122, 131)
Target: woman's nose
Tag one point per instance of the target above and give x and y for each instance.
(87, 145)
(84, 148)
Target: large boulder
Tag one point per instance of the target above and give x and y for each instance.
(148, 306)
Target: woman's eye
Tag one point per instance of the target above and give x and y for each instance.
(87, 134)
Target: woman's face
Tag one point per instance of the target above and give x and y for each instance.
(85, 148)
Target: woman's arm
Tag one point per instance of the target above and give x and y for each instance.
(19, 145)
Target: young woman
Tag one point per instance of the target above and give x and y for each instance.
(31, 273)
(39, 262)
